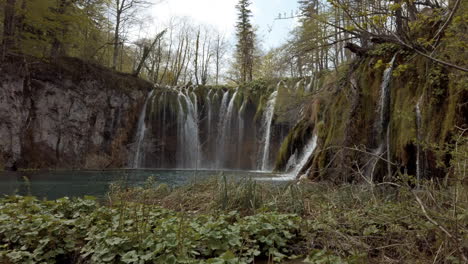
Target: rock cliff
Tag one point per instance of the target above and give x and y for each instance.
(66, 114)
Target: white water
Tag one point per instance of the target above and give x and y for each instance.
(308, 87)
(226, 130)
(240, 139)
(208, 100)
(267, 120)
(308, 151)
(382, 132)
(384, 102)
(188, 145)
(191, 131)
(140, 135)
(221, 123)
(292, 162)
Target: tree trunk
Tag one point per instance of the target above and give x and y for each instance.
(116, 41)
(197, 44)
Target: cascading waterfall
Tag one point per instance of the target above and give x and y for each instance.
(383, 134)
(140, 135)
(240, 139)
(188, 147)
(209, 117)
(205, 128)
(267, 120)
(297, 86)
(225, 132)
(308, 151)
(292, 162)
(221, 123)
(384, 102)
(308, 87)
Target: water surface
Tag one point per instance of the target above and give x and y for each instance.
(57, 184)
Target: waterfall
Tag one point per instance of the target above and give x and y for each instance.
(188, 146)
(180, 131)
(308, 87)
(298, 85)
(163, 128)
(240, 140)
(140, 135)
(208, 103)
(384, 102)
(220, 144)
(292, 162)
(419, 138)
(177, 120)
(383, 134)
(308, 151)
(225, 132)
(267, 120)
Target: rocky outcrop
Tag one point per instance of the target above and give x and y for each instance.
(68, 114)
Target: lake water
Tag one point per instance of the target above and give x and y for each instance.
(57, 184)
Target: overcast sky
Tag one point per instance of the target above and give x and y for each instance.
(222, 14)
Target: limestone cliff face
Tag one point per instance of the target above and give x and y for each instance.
(66, 115)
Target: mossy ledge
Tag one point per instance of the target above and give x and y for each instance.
(347, 106)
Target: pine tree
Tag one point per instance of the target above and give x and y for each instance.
(245, 41)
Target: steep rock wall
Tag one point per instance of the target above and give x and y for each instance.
(67, 114)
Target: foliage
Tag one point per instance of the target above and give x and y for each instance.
(246, 220)
(34, 231)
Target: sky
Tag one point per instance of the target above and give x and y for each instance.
(221, 14)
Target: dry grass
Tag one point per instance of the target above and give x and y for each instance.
(381, 224)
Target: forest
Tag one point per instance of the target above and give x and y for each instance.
(128, 138)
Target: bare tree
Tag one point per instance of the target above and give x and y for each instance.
(220, 50)
(146, 51)
(123, 12)
(206, 57)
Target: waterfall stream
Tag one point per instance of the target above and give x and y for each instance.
(207, 128)
(267, 120)
(308, 151)
(382, 131)
(140, 135)
(384, 102)
(240, 138)
(189, 145)
(225, 132)
(220, 146)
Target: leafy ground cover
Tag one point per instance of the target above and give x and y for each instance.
(220, 221)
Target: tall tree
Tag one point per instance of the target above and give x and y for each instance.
(146, 52)
(123, 11)
(245, 41)
(220, 49)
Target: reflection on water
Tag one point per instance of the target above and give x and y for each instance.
(57, 184)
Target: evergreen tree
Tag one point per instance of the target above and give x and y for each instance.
(245, 41)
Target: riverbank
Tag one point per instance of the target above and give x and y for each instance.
(219, 221)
